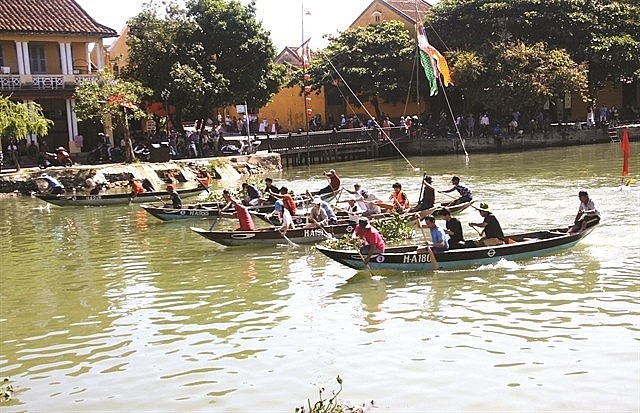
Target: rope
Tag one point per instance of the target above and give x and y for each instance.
(369, 114)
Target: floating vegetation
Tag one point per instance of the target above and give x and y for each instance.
(332, 404)
(6, 390)
(392, 230)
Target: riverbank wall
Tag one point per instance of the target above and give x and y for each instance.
(182, 173)
(515, 142)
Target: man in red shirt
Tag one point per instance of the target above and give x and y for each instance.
(241, 212)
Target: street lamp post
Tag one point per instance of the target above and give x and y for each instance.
(165, 98)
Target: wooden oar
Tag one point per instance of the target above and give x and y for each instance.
(432, 255)
(365, 263)
(291, 243)
(447, 194)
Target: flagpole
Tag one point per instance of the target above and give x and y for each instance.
(304, 72)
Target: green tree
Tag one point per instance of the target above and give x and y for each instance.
(211, 54)
(374, 61)
(516, 76)
(19, 120)
(603, 33)
(117, 99)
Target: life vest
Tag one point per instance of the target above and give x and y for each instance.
(400, 199)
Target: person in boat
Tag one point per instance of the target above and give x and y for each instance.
(428, 196)
(317, 215)
(370, 201)
(136, 188)
(92, 187)
(333, 219)
(357, 192)
(372, 241)
(353, 209)
(147, 185)
(439, 241)
(241, 212)
(204, 177)
(399, 199)
(465, 193)
(176, 201)
(253, 195)
(334, 183)
(587, 213)
(288, 201)
(453, 229)
(271, 192)
(54, 186)
(283, 214)
(493, 234)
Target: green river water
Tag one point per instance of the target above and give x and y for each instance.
(110, 309)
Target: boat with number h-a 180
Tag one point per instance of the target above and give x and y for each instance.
(518, 246)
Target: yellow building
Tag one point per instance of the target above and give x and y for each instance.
(45, 52)
(288, 105)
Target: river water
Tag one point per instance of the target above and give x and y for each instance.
(109, 309)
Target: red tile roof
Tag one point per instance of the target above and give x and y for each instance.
(415, 10)
(49, 17)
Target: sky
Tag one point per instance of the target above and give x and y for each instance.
(283, 18)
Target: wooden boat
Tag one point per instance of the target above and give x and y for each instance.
(112, 199)
(343, 215)
(194, 211)
(520, 246)
(209, 210)
(271, 235)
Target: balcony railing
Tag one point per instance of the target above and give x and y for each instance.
(43, 82)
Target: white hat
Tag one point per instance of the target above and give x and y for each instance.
(316, 200)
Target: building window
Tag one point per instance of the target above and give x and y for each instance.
(1, 56)
(377, 17)
(37, 59)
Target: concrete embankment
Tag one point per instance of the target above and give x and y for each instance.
(515, 142)
(182, 172)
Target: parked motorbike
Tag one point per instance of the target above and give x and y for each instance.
(142, 152)
(60, 158)
(104, 154)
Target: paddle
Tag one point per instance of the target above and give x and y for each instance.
(365, 263)
(291, 243)
(432, 255)
(203, 185)
(450, 196)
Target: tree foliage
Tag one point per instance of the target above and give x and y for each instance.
(374, 61)
(211, 54)
(516, 76)
(117, 99)
(19, 120)
(603, 33)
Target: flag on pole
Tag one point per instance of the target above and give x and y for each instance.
(626, 151)
(433, 62)
(303, 53)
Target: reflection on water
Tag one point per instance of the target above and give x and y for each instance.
(100, 305)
